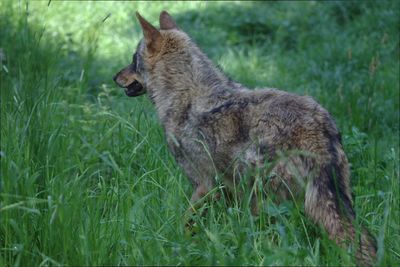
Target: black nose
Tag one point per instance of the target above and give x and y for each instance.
(115, 78)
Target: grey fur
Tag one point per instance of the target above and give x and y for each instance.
(217, 127)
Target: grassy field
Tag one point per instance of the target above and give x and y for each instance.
(86, 177)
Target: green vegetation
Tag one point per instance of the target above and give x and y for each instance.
(86, 177)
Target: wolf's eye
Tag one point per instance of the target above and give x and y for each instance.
(134, 58)
(134, 64)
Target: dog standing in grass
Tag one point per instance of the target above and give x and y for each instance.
(216, 127)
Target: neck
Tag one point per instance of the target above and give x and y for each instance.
(176, 86)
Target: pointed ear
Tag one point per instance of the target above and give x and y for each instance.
(151, 35)
(166, 21)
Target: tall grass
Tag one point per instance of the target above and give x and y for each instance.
(86, 178)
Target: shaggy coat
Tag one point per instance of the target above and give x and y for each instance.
(216, 127)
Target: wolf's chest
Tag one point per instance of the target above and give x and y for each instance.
(188, 145)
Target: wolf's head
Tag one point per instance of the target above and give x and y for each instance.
(161, 52)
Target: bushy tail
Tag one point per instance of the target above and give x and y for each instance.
(329, 204)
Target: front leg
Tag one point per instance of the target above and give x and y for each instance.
(202, 193)
(199, 169)
(203, 187)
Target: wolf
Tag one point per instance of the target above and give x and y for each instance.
(216, 127)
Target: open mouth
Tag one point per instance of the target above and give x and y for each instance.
(134, 89)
